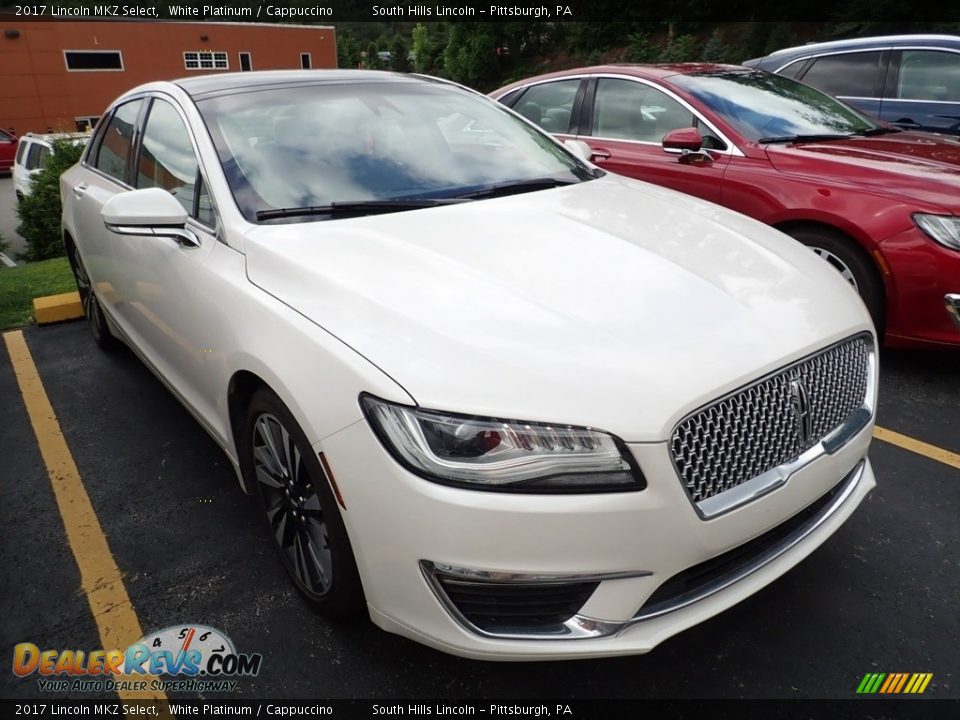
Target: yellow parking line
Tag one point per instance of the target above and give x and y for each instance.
(918, 446)
(100, 577)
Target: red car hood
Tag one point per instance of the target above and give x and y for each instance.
(921, 166)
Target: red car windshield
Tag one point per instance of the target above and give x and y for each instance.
(770, 108)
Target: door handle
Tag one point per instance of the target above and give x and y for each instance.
(80, 190)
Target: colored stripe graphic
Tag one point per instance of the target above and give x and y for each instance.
(894, 683)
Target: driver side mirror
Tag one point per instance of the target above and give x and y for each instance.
(151, 212)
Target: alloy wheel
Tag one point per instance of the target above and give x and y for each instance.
(292, 505)
(838, 264)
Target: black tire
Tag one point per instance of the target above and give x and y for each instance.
(853, 263)
(91, 305)
(305, 524)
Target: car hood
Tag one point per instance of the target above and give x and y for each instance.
(922, 166)
(613, 303)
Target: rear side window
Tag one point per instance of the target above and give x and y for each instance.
(114, 151)
(167, 159)
(929, 75)
(36, 155)
(849, 75)
(6, 137)
(22, 152)
(550, 105)
(793, 69)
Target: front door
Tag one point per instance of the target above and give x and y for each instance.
(625, 123)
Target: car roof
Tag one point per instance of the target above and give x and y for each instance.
(50, 137)
(226, 83)
(881, 40)
(660, 71)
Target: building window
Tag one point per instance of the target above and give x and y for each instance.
(93, 60)
(246, 64)
(206, 60)
(85, 123)
(305, 61)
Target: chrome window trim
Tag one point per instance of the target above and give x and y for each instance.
(756, 487)
(850, 51)
(152, 95)
(877, 48)
(732, 149)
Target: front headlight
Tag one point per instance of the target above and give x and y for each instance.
(945, 229)
(493, 454)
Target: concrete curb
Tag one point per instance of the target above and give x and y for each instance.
(57, 308)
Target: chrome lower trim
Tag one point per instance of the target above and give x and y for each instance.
(580, 626)
(952, 301)
(577, 627)
(850, 482)
(772, 479)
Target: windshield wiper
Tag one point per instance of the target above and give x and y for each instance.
(879, 131)
(513, 187)
(804, 138)
(358, 207)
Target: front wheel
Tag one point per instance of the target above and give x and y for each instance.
(301, 512)
(853, 264)
(91, 306)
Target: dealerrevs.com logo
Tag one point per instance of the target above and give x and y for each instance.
(199, 658)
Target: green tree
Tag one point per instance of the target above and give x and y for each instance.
(680, 48)
(781, 36)
(372, 60)
(39, 212)
(715, 50)
(399, 62)
(348, 50)
(640, 50)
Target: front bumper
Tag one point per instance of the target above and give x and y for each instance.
(923, 286)
(402, 527)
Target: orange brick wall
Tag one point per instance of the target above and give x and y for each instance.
(37, 93)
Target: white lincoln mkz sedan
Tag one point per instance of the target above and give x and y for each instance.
(510, 405)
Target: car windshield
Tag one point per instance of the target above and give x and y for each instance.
(326, 150)
(767, 108)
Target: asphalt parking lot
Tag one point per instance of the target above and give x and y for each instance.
(880, 596)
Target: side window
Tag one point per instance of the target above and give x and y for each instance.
(22, 152)
(167, 159)
(793, 69)
(35, 155)
(204, 210)
(628, 110)
(114, 150)
(550, 105)
(929, 75)
(850, 75)
(6, 137)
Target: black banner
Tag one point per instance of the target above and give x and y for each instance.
(333, 11)
(918, 709)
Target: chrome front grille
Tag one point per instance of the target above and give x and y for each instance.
(772, 421)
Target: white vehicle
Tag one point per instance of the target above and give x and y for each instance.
(513, 406)
(32, 150)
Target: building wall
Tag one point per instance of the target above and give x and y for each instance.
(38, 94)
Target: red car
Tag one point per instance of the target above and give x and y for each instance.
(8, 150)
(880, 204)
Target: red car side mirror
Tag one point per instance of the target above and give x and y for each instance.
(685, 138)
